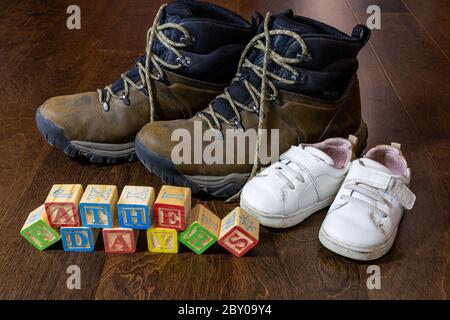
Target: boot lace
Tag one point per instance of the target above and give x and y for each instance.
(152, 62)
(267, 91)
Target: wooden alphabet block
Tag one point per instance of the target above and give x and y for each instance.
(162, 240)
(135, 207)
(171, 207)
(37, 231)
(120, 240)
(62, 203)
(98, 206)
(239, 232)
(79, 239)
(202, 231)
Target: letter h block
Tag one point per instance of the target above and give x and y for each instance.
(239, 232)
(37, 231)
(203, 230)
(98, 206)
(61, 205)
(79, 239)
(171, 207)
(135, 207)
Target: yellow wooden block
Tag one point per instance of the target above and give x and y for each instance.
(239, 232)
(62, 203)
(172, 207)
(98, 206)
(162, 240)
(135, 207)
(37, 230)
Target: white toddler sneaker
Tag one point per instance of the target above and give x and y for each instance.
(363, 220)
(304, 181)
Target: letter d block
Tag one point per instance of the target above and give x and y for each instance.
(79, 239)
(135, 207)
(120, 240)
(239, 232)
(203, 230)
(162, 240)
(171, 207)
(61, 205)
(37, 231)
(98, 206)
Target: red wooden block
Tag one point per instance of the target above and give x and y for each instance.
(120, 240)
(171, 207)
(61, 205)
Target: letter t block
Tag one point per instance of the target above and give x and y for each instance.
(98, 206)
(61, 205)
(203, 230)
(239, 232)
(171, 207)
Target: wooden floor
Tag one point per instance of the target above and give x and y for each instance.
(405, 79)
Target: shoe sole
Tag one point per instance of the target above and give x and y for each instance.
(355, 253)
(285, 222)
(101, 153)
(216, 186)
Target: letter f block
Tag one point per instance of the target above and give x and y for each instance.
(239, 232)
(61, 205)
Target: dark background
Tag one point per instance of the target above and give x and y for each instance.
(405, 78)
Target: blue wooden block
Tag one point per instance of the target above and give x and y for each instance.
(98, 206)
(79, 239)
(135, 207)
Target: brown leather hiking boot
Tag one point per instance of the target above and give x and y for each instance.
(300, 85)
(193, 50)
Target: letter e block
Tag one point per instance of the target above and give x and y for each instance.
(120, 240)
(79, 239)
(239, 232)
(171, 207)
(203, 230)
(37, 231)
(61, 205)
(162, 240)
(135, 207)
(98, 206)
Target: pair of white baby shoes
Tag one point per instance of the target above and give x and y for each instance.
(367, 195)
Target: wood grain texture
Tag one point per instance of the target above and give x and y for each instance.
(404, 75)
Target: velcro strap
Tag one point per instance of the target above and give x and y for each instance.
(380, 180)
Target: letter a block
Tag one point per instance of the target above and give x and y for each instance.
(61, 205)
(120, 240)
(135, 207)
(162, 240)
(171, 207)
(98, 206)
(79, 239)
(203, 230)
(239, 232)
(37, 231)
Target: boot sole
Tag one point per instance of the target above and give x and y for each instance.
(216, 186)
(100, 153)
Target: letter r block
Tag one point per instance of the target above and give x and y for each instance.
(239, 232)
(162, 240)
(120, 240)
(203, 230)
(135, 207)
(171, 207)
(79, 239)
(98, 206)
(37, 231)
(61, 205)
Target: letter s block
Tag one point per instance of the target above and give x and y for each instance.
(79, 239)
(61, 205)
(162, 240)
(98, 206)
(135, 207)
(239, 232)
(37, 231)
(203, 230)
(171, 207)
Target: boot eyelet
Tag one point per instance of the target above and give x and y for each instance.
(125, 100)
(185, 61)
(294, 78)
(302, 57)
(106, 106)
(239, 126)
(187, 40)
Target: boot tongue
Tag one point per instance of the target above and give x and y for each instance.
(372, 164)
(285, 21)
(177, 11)
(319, 154)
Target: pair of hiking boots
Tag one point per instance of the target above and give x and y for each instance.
(207, 69)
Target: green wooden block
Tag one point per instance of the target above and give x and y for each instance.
(197, 238)
(37, 231)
